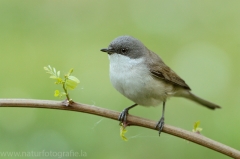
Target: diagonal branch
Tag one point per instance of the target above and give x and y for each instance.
(134, 120)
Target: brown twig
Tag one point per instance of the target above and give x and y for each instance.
(137, 121)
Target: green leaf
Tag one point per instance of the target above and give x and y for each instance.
(73, 78)
(45, 68)
(71, 82)
(69, 72)
(53, 77)
(51, 71)
(54, 74)
(54, 71)
(58, 73)
(123, 131)
(56, 93)
(196, 127)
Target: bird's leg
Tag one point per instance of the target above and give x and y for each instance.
(123, 115)
(160, 123)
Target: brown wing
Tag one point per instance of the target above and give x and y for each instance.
(167, 74)
(160, 70)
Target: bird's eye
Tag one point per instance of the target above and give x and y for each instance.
(124, 50)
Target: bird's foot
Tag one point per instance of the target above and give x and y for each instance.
(123, 117)
(160, 125)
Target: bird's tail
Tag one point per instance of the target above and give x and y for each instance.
(201, 101)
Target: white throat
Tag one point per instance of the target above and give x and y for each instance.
(123, 60)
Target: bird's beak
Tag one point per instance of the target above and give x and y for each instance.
(109, 51)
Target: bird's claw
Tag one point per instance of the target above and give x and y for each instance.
(160, 125)
(123, 116)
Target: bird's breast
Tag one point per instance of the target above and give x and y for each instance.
(131, 77)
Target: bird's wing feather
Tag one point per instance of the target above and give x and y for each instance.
(167, 74)
(160, 70)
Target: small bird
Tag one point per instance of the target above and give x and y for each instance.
(141, 76)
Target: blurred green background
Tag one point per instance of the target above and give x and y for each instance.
(200, 40)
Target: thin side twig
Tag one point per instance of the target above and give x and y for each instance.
(134, 120)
